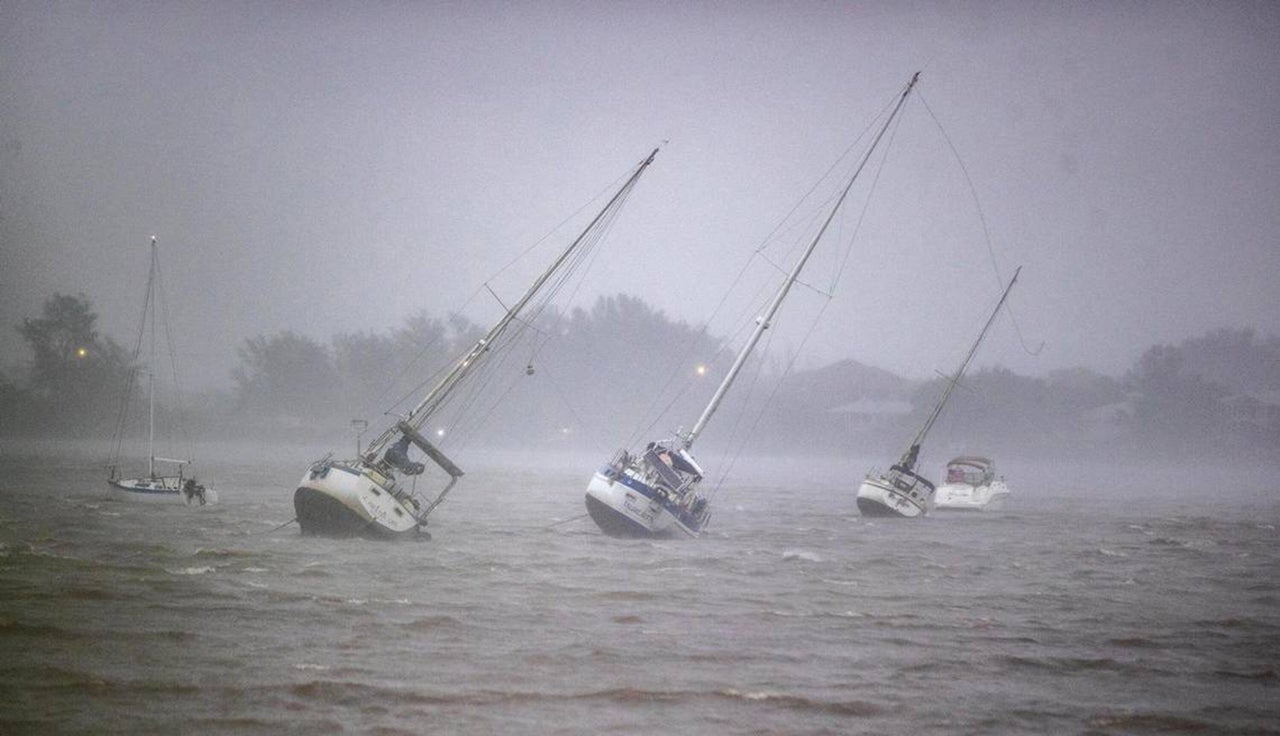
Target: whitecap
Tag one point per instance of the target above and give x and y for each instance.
(189, 570)
(758, 695)
(800, 554)
(849, 583)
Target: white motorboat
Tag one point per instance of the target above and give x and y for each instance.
(655, 492)
(157, 484)
(901, 492)
(971, 485)
(372, 495)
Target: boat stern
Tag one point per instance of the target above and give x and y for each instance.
(621, 510)
(336, 499)
(898, 493)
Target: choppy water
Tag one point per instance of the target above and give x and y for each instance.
(1071, 612)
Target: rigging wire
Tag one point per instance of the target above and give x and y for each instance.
(434, 376)
(986, 231)
(134, 368)
(416, 389)
(179, 404)
(733, 459)
(468, 405)
(738, 438)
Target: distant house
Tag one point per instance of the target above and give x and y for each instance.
(1255, 411)
(866, 411)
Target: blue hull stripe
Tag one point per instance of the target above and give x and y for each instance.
(681, 517)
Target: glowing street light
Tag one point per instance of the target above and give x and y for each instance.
(701, 370)
(81, 352)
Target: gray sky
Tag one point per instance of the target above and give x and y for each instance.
(328, 167)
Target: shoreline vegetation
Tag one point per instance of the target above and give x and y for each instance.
(1216, 396)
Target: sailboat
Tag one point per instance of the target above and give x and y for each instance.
(901, 492)
(368, 496)
(654, 492)
(166, 478)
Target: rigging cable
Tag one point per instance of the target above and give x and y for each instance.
(738, 438)
(760, 251)
(986, 232)
(733, 459)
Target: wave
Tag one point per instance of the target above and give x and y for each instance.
(629, 595)
(347, 693)
(189, 570)
(800, 554)
(11, 627)
(1074, 664)
(428, 623)
(1266, 675)
(220, 553)
(1151, 723)
(1134, 642)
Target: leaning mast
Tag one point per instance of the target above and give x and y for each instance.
(764, 321)
(464, 366)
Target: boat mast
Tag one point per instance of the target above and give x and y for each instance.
(151, 367)
(909, 458)
(763, 322)
(467, 363)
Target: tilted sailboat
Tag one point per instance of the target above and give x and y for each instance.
(655, 492)
(155, 485)
(901, 491)
(363, 497)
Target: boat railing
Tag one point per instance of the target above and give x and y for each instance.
(621, 459)
(668, 476)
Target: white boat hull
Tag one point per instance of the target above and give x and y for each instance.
(624, 506)
(964, 497)
(161, 490)
(336, 499)
(881, 496)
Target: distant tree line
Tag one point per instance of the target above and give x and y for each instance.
(621, 370)
(75, 378)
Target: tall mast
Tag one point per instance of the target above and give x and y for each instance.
(909, 459)
(467, 363)
(151, 367)
(763, 322)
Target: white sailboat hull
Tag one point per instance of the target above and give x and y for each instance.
(624, 506)
(336, 499)
(881, 496)
(965, 497)
(159, 490)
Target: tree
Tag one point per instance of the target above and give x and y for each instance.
(76, 373)
(1174, 407)
(287, 375)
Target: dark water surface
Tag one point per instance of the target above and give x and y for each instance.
(1076, 610)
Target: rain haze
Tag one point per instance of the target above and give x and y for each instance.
(348, 200)
(328, 168)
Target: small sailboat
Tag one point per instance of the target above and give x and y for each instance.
(655, 492)
(369, 495)
(971, 485)
(166, 478)
(902, 492)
